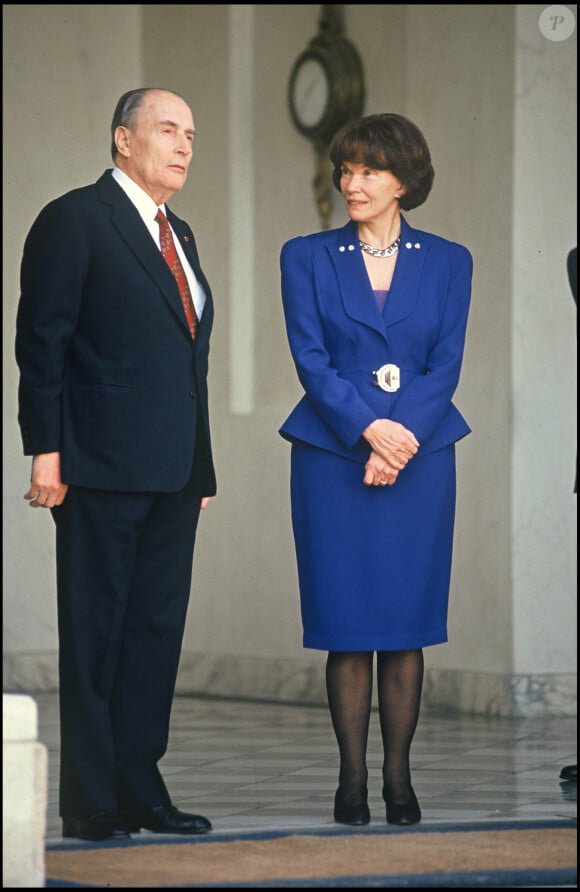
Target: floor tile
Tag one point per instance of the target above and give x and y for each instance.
(259, 766)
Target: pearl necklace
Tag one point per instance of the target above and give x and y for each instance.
(381, 252)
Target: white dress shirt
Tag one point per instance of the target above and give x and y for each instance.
(148, 211)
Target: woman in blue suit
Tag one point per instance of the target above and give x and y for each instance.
(376, 315)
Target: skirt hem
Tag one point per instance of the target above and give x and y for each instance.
(316, 643)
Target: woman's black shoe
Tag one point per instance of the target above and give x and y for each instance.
(350, 814)
(403, 813)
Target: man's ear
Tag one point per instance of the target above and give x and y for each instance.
(123, 141)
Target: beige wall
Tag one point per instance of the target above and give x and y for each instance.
(483, 84)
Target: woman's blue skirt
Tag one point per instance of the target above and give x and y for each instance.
(374, 563)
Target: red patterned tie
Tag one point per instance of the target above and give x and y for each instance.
(173, 262)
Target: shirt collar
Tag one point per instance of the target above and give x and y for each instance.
(143, 202)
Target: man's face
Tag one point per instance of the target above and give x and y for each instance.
(156, 153)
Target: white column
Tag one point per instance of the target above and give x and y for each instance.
(25, 794)
(241, 235)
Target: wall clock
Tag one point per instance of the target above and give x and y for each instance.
(325, 90)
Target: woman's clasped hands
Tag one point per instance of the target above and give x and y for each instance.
(392, 445)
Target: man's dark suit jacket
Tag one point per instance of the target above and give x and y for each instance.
(109, 375)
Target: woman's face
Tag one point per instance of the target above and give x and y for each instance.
(369, 194)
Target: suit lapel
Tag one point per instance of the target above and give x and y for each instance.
(404, 290)
(187, 242)
(127, 221)
(357, 295)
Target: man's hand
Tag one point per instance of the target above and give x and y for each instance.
(46, 487)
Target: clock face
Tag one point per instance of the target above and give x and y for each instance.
(310, 92)
(325, 89)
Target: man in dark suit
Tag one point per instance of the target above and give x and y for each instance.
(112, 345)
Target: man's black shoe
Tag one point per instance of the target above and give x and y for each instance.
(165, 819)
(569, 772)
(96, 828)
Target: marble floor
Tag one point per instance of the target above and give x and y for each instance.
(253, 766)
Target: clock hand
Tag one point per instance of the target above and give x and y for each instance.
(309, 88)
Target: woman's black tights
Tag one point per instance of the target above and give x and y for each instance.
(349, 684)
